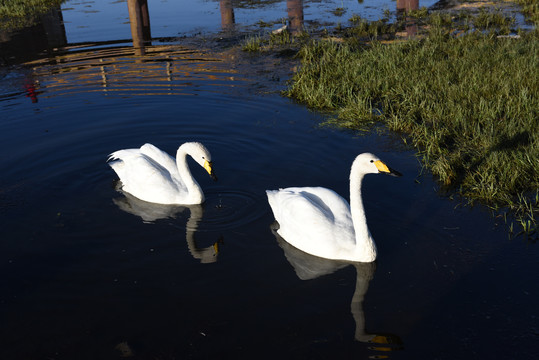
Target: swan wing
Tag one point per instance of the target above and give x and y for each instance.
(315, 220)
(144, 177)
(161, 157)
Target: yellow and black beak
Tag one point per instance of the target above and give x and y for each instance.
(208, 166)
(383, 168)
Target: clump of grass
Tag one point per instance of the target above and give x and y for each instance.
(274, 40)
(530, 8)
(16, 14)
(440, 20)
(264, 24)
(421, 13)
(491, 20)
(339, 11)
(252, 44)
(371, 29)
(280, 38)
(469, 104)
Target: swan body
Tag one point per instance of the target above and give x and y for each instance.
(152, 175)
(320, 222)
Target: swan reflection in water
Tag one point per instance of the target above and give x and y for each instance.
(308, 267)
(150, 212)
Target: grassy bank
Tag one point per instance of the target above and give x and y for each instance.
(16, 14)
(468, 103)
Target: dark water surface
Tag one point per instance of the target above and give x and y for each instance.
(90, 273)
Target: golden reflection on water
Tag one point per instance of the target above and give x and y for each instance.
(140, 69)
(162, 70)
(146, 69)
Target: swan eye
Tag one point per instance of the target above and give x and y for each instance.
(372, 161)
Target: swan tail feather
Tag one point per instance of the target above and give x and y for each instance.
(123, 154)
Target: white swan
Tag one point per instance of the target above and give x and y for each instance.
(320, 222)
(152, 175)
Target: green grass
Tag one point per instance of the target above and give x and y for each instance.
(468, 103)
(371, 29)
(16, 14)
(492, 19)
(274, 41)
(279, 39)
(253, 44)
(530, 8)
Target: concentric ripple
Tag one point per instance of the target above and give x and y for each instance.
(230, 209)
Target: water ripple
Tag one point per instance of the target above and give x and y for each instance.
(120, 71)
(230, 209)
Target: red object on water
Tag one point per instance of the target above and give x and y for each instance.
(31, 92)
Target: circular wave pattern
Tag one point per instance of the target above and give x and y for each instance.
(231, 209)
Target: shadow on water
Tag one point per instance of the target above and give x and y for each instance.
(45, 35)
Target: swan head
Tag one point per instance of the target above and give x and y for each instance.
(201, 155)
(368, 163)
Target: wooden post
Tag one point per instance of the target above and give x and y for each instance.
(403, 7)
(227, 14)
(407, 5)
(294, 9)
(139, 18)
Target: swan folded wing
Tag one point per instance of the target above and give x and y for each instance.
(146, 179)
(338, 206)
(161, 157)
(315, 220)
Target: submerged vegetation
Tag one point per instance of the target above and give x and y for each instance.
(464, 93)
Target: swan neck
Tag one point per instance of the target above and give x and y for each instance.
(193, 188)
(356, 207)
(365, 247)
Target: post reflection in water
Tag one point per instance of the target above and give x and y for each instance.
(308, 267)
(294, 9)
(227, 15)
(150, 212)
(139, 18)
(404, 7)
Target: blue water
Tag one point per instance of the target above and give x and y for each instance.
(104, 20)
(91, 273)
